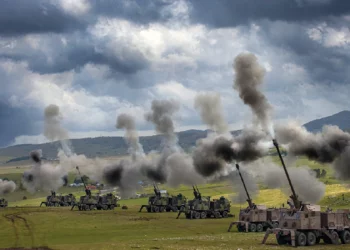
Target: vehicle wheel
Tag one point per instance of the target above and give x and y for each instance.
(259, 228)
(281, 240)
(252, 227)
(240, 228)
(87, 207)
(311, 239)
(161, 209)
(112, 207)
(335, 236)
(217, 215)
(301, 239)
(92, 207)
(275, 224)
(156, 209)
(203, 215)
(345, 237)
(224, 214)
(197, 215)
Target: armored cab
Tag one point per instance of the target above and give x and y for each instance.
(52, 200)
(255, 218)
(67, 200)
(3, 202)
(202, 207)
(306, 225)
(161, 202)
(107, 201)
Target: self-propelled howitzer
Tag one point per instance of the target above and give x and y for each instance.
(306, 225)
(90, 202)
(255, 218)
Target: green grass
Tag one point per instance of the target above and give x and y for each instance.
(60, 228)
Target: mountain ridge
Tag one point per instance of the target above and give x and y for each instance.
(115, 146)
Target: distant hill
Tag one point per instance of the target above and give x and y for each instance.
(114, 146)
(341, 119)
(100, 146)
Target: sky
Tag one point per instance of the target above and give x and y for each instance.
(97, 59)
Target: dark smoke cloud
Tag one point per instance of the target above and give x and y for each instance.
(213, 153)
(331, 145)
(248, 78)
(36, 156)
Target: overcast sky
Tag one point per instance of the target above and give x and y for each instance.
(97, 59)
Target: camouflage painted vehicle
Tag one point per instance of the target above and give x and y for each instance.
(67, 200)
(52, 200)
(161, 202)
(306, 225)
(255, 218)
(202, 207)
(3, 202)
(91, 202)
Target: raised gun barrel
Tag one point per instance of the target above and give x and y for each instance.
(294, 197)
(195, 193)
(199, 194)
(87, 191)
(250, 203)
(156, 189)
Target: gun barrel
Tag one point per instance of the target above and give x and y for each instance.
(81, 177)
(245, 188)
(286, 172)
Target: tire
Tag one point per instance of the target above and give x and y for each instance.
(87, 207)
(197, 215)
(311, 239)
(281, 240)
(224, 214)
(92, 207)
(252, 227)
(345, 237)
(240, 228)
(161, 209)
(275, 224)
(112, 207)
(301, 239)
(259, 228)
(203, 215)
(156, 209)
(217, 215)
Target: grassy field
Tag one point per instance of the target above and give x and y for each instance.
(24, 224)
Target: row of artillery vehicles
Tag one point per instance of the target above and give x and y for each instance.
(54, 200)
(305, 224)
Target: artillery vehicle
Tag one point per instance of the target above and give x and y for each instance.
(90, 202)
(3, 202)
(52, 200)
(306, 225)
(202, 207)
(255, 218)
(163, 202)
(67, 200)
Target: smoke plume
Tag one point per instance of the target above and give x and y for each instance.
(43, 176)
(7, 187)
(331, 145)
(210, 109)
(238, 187)
(248, 78)
(125, 121)
(162, 117)
(53, 129)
